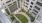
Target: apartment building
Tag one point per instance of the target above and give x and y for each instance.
(10, 5)
(23, 4)
(34, 6)
(36, 9)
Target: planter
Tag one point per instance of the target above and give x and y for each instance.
(30, 15)
(23, 10)
(7, 11)
(12, 17)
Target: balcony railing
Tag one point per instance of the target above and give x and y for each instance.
(39, 3)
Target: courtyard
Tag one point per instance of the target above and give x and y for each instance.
(22, 18)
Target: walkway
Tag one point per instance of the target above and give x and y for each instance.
(25, 16)
(17, 18)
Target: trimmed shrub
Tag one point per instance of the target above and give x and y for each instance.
(12, 17)
(7, 11)
(31, 17)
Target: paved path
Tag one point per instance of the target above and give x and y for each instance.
(25, 16)
(17, 12)
(17, 19)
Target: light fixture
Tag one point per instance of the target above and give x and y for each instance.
(3, 10)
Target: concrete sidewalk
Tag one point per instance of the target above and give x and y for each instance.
(17, 19)
(25, 16)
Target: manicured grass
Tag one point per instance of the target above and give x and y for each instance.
(22, 18)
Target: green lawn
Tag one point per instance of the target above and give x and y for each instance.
(22, 18)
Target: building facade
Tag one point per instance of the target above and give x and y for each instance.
(34, 6)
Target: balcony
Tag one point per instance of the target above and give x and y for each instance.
(39, 3)
(37, 7)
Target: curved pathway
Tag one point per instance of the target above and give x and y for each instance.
(25, 16)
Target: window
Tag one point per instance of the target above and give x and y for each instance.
(8, 1)
(32, 3)
(30, 6)
(37, 8)
(27, 0)
(33, 13)
(27, 6)
(3, 4)
(27, 3)
(24, 2)
(9, 4)
(39, 4)
(1, 0)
